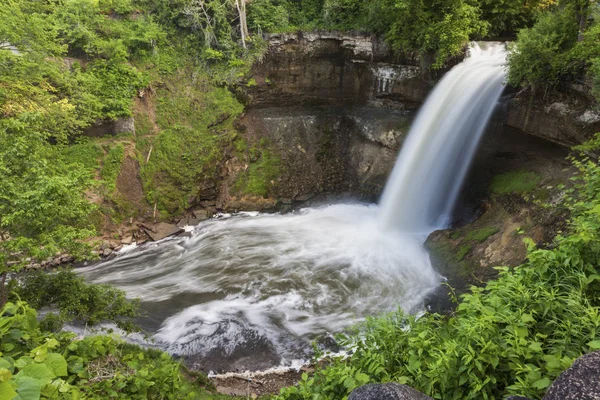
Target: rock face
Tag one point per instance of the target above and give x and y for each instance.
(344, 150)
(387, 391)
(566, 118)
(580, 382)
(334, 68)
(111, 128)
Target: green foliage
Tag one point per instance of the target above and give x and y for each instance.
(267, 16)
(74, 300)
(519, 182)
(112, 166)
(513, 337)
(556, 49)
(43, 209)
(37, 364)
(538, 56)
(196, 122)
(507, 17)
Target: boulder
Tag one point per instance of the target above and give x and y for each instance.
(162, 230)
(387, 391)
(580, 382)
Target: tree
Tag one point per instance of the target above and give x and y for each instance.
(43, 209)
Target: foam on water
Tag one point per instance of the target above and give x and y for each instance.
(280, 279)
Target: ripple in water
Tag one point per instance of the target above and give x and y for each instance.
(253, 286)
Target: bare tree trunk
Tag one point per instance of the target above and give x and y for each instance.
(245, 24)
(242, 13)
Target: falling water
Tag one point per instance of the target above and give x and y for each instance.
(252, 290)
(426, 180)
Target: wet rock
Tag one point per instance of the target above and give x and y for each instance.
(580, 382)
(107, 252)
(127, 240)
(162, 230)
(387, 391)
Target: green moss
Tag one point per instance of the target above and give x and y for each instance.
(112, 166)
(519, 182)
(264, 169)
(463, 251)
(481, 234)
(252, 82)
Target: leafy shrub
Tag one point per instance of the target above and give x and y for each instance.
(36, 364)
(538, 56)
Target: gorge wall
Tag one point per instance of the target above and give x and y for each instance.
(335, 108)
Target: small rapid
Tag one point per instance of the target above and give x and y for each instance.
(249, 287)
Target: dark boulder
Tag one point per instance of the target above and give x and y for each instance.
(387, 391)
(580, 382)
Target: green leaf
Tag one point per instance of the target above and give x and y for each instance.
(57, 364)
(29, 388)
(38, 371)
(6, 391)
(594, 344)
(5, 375)
(541, 383)
(527, 318)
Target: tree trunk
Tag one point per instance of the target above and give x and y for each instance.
(242, 13)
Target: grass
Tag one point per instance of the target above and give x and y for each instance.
(519, 182)
(112, 166)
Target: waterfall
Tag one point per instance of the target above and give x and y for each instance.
(421, 192)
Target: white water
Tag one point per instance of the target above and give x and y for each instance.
(260, 286)
(421, 192)
(271, 282)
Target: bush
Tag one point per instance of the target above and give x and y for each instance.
(538, 57)
(37, 364)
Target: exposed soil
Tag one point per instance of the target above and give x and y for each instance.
(253, 385)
